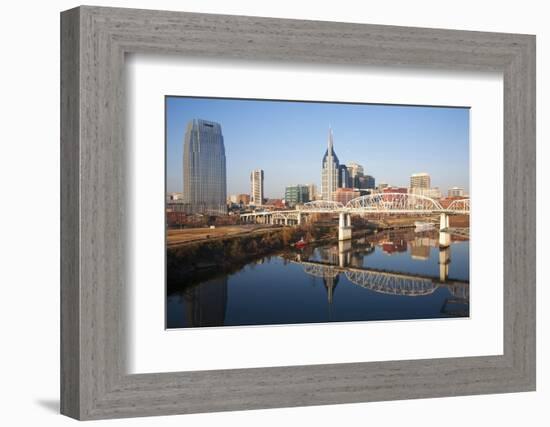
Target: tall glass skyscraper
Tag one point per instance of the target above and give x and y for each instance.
(204, 178)
(329, 171)
(344, 180)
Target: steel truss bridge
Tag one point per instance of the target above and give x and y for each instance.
(385, 282)
(382, 203)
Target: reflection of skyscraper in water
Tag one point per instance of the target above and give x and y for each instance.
(206, 303)
(330, 281)
(329, 254)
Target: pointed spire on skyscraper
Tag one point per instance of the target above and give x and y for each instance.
(329, 171)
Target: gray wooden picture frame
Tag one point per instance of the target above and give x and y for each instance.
(94, 41)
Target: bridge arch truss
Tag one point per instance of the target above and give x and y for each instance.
(321, 206)
(390, 284)
(393, 203)
(459, 206)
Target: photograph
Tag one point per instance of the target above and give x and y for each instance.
(295, 212)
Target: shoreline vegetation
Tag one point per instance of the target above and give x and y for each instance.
(201, 260)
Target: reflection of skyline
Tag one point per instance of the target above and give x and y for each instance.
(421, 247)
(331, 261)
(394, 246)
(350, 273)
(342, 270)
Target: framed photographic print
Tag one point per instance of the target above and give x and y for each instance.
(262, 213)
(248, 246)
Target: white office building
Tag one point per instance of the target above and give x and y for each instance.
(257, 187)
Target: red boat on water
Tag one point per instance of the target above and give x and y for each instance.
(300, 243)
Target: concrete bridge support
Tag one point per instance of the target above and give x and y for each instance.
(344, 226)
(443, 221)
(444, 235)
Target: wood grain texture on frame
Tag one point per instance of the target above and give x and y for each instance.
(94, 270)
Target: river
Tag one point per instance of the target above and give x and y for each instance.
(392, 275)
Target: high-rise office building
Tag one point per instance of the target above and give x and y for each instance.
(355, 169)
(312, 189)
(329, 171)
(344, 180)
(296, 194)
(421, 185)
(257, 187)
(420, 181)
(365, 182)
(204, 176)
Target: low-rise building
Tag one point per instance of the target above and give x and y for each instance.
(243, 199)
(170, 197)
(274, 204)
(432, 192)
(456, 192)
(344, 195)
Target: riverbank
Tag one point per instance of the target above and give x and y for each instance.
(183, 236)
(195, 261)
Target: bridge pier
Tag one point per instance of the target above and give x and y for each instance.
(444, 235)
(344, 226)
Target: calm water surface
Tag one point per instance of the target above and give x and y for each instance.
(389, 276)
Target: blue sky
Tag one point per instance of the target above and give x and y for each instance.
(287, 140)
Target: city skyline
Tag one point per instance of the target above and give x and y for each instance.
(288, 139)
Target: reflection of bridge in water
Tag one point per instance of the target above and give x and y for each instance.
(343, 260)
(386, 282)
